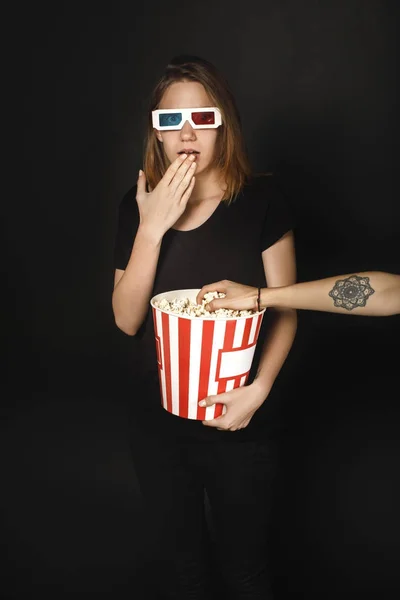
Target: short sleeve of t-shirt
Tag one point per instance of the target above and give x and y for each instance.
(279, 217)
(127, 225)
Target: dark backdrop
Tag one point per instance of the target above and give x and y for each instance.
(316, 86)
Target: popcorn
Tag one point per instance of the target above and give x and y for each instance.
(187, 307)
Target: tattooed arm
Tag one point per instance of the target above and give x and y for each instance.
(369, 293)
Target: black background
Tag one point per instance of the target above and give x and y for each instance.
(315, 83)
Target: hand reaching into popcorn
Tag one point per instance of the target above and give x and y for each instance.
(231, 295)
(369, 293)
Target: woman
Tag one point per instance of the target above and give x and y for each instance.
(369, 293)
(204, 217)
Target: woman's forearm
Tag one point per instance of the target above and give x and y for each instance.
(276, 349)
(131, 295)
(369, 293)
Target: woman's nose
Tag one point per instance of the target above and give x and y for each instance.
(187, 131)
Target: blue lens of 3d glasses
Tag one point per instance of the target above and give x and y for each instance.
(170, 119)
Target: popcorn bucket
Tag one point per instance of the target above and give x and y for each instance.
(199, 357)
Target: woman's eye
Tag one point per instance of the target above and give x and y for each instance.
(170, 119)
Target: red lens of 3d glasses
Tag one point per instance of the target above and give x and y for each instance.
(204, 118)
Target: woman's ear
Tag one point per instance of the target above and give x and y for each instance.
(158, 135)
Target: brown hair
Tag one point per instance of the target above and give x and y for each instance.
(230, 151)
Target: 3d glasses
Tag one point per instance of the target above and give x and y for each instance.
(208, 117)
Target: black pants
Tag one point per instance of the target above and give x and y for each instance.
(173, 473)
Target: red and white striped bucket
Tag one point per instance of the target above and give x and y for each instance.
(199, 357)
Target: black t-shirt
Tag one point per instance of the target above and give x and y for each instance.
(226, 246)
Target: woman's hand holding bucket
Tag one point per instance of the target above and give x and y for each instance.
(241, 404)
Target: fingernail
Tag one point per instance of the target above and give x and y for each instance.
(140, 172)
(202, 403)
(183, 156)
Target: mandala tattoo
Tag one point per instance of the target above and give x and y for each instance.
(351, 292)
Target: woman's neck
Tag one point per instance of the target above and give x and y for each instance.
(206, 189)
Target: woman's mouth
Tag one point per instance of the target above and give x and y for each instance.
(190, 151)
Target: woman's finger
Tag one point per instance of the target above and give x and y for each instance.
(173, 169)
(228, 303)
(181, 173)
(189, 190)
(183, 185)
(219, 286)
(141, 184)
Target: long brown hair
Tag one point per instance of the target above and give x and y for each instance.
(230, 152)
